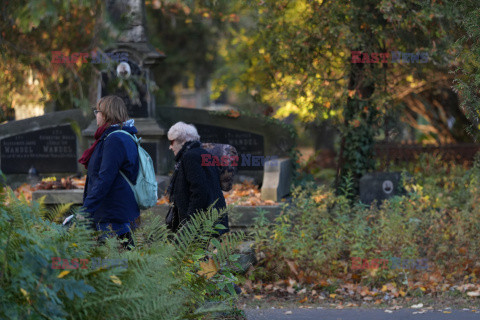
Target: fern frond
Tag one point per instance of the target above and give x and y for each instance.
(196, 233)
(226, 248)
(152, 230)
(58, 212)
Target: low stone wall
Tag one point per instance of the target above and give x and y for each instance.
(53, 197)
(241, 217)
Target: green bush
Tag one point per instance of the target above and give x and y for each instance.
(319, 232)
(165, 277)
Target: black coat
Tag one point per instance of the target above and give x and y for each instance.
(195, 186)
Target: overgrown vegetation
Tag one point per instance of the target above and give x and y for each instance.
(182, 276)
(318, 233)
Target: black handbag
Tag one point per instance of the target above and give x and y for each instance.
(172, 220)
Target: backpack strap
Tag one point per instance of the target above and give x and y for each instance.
(134, 137)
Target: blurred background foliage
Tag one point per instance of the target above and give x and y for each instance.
(30, 31)
(286, 59)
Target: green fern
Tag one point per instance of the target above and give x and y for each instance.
(159, 267)
(58, 213)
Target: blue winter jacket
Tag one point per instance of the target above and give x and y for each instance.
(108, 197)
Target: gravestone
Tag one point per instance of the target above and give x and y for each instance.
(251, 136)
(50, 143)
(246, 143)
(50, 150)
(277, 179)
(380, 186)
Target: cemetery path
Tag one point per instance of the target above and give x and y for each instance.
(359, 314)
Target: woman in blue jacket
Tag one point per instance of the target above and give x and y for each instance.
(108, 198)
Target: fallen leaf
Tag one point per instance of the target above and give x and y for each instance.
(116, 280)
(233, 114)
(292, 267)
(288, 312)
(63, 274)
(473, 293)
(419, 312)
(303, 300)
(364, 292)
(291, 282)
(248, 285)
(417, 306)
(333, 295)
(259, 297)
(208, 269)
(323, 283)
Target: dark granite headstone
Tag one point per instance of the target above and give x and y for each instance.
(380, 186)
(51, 150)
(248, 144)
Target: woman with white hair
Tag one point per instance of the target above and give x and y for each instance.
(193, 187)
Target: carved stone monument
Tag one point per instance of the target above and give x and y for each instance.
(131, 80)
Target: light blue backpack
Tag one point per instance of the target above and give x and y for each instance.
(145, 190)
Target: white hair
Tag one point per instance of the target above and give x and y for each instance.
(183, 132)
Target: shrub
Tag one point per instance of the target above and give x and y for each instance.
(319, 232)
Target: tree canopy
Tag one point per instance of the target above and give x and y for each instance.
(317, 59)
(296, 55)
(30, 31)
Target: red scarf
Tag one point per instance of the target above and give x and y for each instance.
(88, 153)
